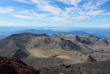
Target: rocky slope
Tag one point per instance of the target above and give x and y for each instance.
(53, 50)
(85, 68)
(98, 48)
(14, 66)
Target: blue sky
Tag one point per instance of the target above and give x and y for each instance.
(55, 13)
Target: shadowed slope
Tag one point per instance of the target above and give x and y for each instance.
(14, 66)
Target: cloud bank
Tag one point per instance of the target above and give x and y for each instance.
(72, 10)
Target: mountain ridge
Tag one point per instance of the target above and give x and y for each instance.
(64, 48)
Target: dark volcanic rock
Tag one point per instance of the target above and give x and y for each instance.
(68, 45)
(85, 68)
(20, 54)
(83, 40)
(91, 59)
(14, 66)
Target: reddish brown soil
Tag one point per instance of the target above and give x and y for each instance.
(14, 66)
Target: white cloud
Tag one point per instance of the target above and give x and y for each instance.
(40, 16)
(54, 13)
(92, 12)
(49, 8)
(108, 13)
(40, 1)
(93, 4)
(101, 2)
(29, 14)
(72, 2)
(44, 5)
(6, 10)
(23, 1)
(89, 6)
(24, 12)
(81, 17)
(24, 16)
(59, 19)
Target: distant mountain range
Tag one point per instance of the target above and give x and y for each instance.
(49, 32)
(5, 31)
(103, 33)
(2, 36)
(99, 32)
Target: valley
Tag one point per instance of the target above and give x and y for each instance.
(40, 50)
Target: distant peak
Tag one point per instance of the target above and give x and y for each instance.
(28, 33)
(58, 35)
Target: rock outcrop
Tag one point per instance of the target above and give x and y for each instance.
(14, 66)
